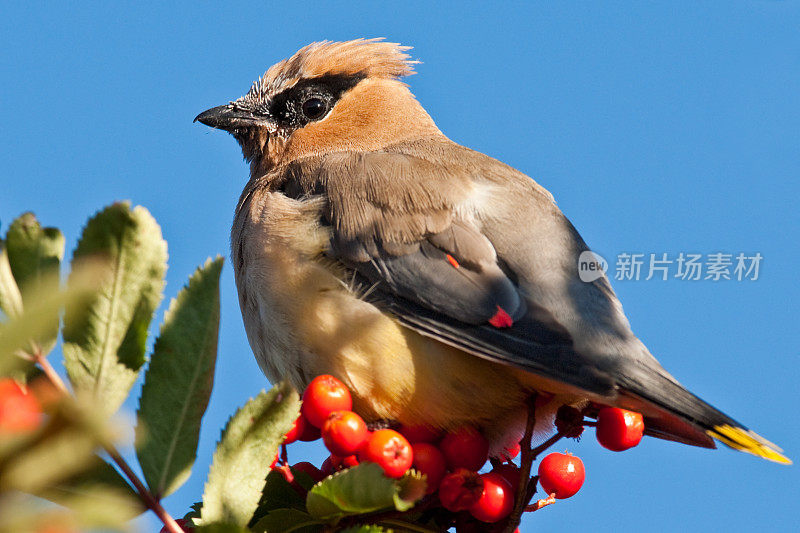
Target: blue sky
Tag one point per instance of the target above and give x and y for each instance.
(660, 127)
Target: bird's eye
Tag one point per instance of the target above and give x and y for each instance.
(314, 108)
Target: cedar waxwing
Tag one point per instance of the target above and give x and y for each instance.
(440, 285)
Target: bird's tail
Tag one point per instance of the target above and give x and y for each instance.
(671, 412)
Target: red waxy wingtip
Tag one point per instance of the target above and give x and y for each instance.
(452, 261)
(501, 319)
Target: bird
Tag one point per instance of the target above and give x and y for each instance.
(439, 284)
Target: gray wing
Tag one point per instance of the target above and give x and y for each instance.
(394, 224)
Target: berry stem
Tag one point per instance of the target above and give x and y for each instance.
(550, 500)
(39, 358)
(148, 499)
(526, 461)
(284, 455)
(549, 442)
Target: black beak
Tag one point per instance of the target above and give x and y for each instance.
(226, 117)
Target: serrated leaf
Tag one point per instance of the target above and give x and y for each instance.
(361, 489)
(197, 508)
(104, 342)
(248, 445)
(34, 255)
(10, 297)
(411, 489)
(34, 252)
(178, 383)
(287, 521)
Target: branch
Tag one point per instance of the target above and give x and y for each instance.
(526, 461)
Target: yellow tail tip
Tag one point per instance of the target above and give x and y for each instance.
(748, 441)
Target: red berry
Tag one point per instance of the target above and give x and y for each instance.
(334, 463)
(327, 468)
(390, 450)
(347, 461)
(459, 490)
(297, 430)
(496, 500)
(310, 432)
(344, 432)
(510, 472)
(186, 524)
(312, 471)
(619, 429)
(562, 474)
(509, 452)
(429, 461)
(324, 395)
(466, 448)
(420, 433)
(20, 412)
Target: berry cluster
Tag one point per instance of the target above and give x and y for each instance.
(451, 462)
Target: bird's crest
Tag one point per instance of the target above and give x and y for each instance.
(368, 57)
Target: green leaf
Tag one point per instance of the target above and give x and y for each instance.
(34, 252)
(178, 383)
(411, 489)
(362, 489)
(99, 479)
(101, 507)
(364, 528)
(20, 513)
(34, 255)
(33, 323)
(241, 461)
(104, 342)
(279, 494)
(10, 297)
(58, 453)
(287, 521)
(197, 508)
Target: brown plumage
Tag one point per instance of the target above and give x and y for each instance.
(440, 284)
